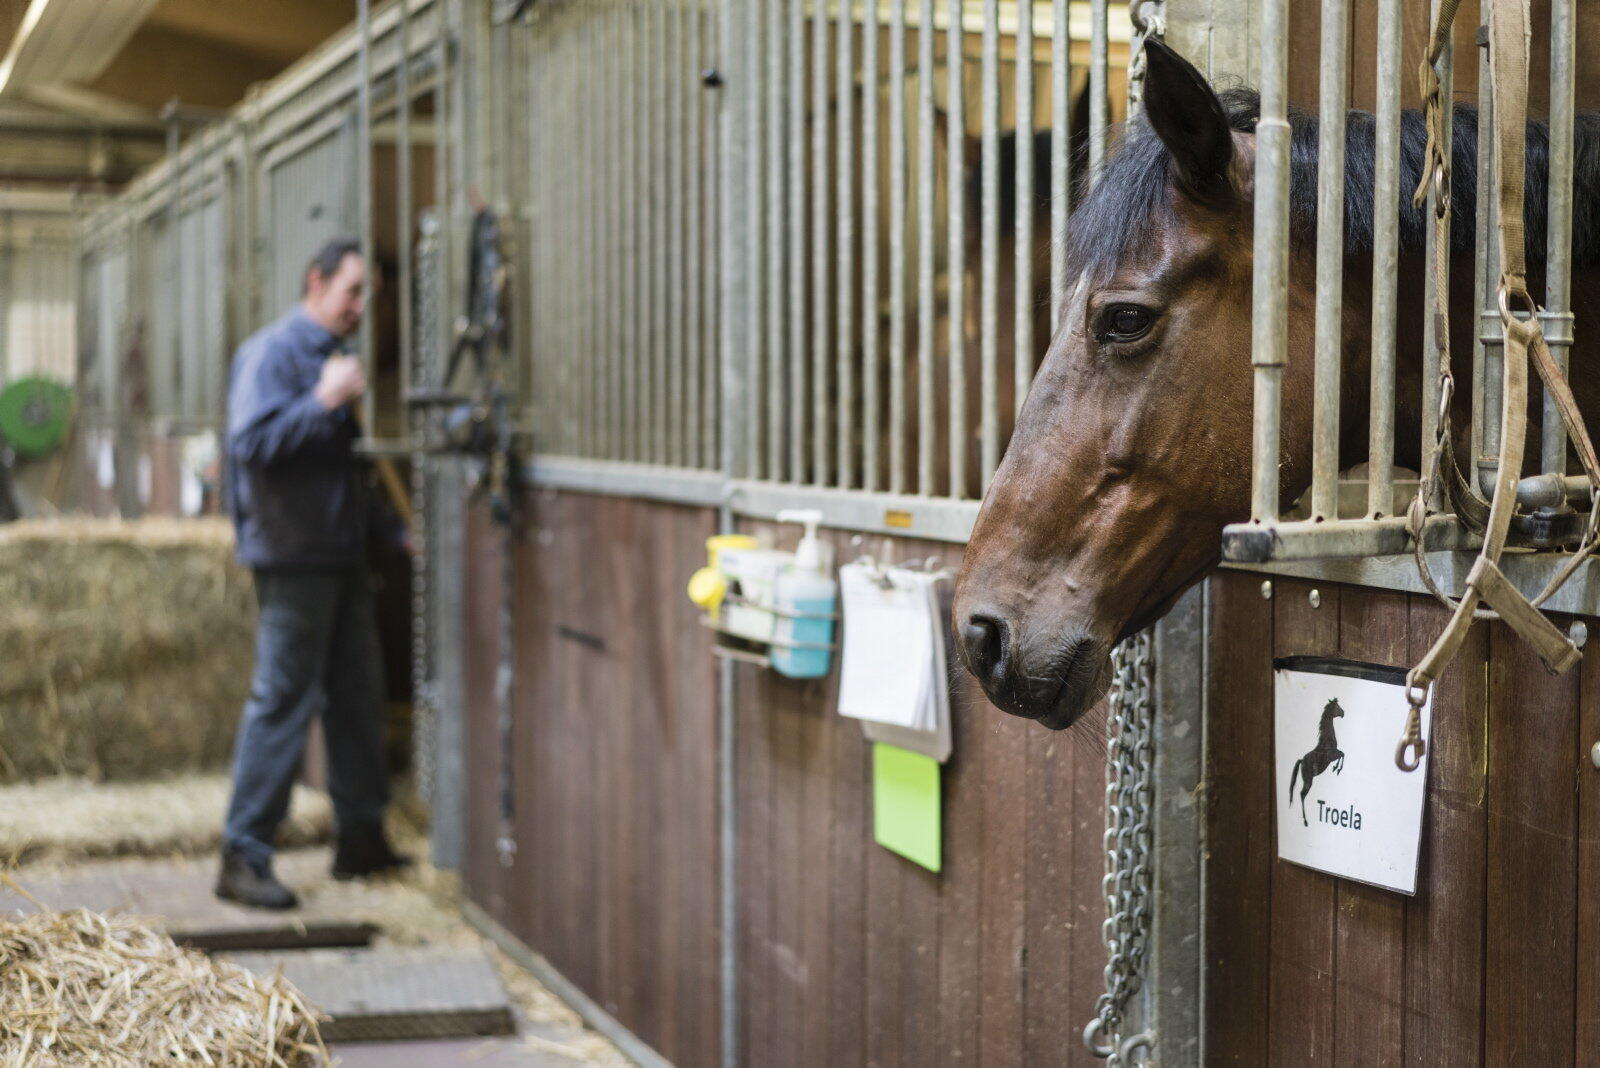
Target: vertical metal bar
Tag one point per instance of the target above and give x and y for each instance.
(1023, 287)
(1486, 344)
(989, 313)
(677, 86)
(1330, 259)
(637, 374)
(732, 304)
(796, 95)
(897, 246)
(1100, 86)
(754, 68)
(871, 216)
(845, 96)
(364, 200)
(403, 227)
(1557, 317)
(590, 162)
(1270, 291)
(1060, 154)
(777, 203)
(821, 99)
(956, 241)
(1385, 262)
(621, 200)
(699, 250)
(714, 430)
(443, 249)
(660, 134)
(1430, 377)
(926, 297)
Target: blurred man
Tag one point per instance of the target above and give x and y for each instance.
(302, 513)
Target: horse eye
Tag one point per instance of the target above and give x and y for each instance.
(1126, 322)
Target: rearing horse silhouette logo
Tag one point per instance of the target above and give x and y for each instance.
(1326, 754)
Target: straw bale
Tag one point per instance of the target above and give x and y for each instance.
(56, 821)
(80, 988)
(125, 647)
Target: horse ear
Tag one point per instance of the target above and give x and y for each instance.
(1186, 114)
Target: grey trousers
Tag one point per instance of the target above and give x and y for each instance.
(317, 654)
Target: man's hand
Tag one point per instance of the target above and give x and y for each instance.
(342, 381)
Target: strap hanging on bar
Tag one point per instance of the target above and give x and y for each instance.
(1508, 58)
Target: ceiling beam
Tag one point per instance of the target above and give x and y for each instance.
(63, 41)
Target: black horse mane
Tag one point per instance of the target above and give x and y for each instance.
(1135, 189)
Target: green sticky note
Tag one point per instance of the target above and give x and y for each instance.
(905, 804)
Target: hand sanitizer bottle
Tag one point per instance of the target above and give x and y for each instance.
(806, 594)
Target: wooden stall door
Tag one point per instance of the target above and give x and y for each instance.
(1489, 962)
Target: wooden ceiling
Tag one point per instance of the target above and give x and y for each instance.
(101, 71)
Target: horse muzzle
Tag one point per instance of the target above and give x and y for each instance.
(1052, 682)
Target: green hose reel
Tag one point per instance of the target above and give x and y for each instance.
(35, 414)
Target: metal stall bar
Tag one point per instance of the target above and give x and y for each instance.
(575, 45)
(1556, 319)
(797, 239)
(636, 377)
(754, 68)
(821, 446)
(677, 87)
(1430, 340)
(698, 410)
(777, 204)
(927, 307)
(956, 243)
(1385, 263)
(660, 132)
(989, 231)
(442, 207)
(1270, 286)
(596, 354)
(1100, 85)
(871, 377)
(845, 165)
(1060, 152)
(364, 199)
(402, 78)
(897, 246)
(1331, 94)
(733, 348)
(1022, 288)
(1486, 273)
(617, 178)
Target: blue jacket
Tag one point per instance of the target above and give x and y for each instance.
(299, 493)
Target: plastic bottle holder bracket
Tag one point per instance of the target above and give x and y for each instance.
(750, 652)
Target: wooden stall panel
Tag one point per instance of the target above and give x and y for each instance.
(1444, 927)
(1530, 961)
(851, 954)
(1303, 901)
(1490, 961)
(614, 879)
(1239, 822)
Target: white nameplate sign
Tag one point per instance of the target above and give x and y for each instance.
(1343, 806)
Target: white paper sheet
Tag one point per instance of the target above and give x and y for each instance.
(892, 668)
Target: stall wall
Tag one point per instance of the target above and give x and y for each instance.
(847, 953)
(1494, 961)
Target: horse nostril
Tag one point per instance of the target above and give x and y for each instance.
(984, 638)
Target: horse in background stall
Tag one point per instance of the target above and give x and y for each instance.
(1133, 449)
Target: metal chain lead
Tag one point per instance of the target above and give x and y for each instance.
(426, 368)
(1130, 755)
(1149, 19)
(1130, 758)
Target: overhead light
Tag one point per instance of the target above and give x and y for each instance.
(30, 20)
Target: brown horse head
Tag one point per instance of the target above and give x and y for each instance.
(1131, 451)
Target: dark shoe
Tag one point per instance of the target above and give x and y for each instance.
(252, 884)
(365, 852)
